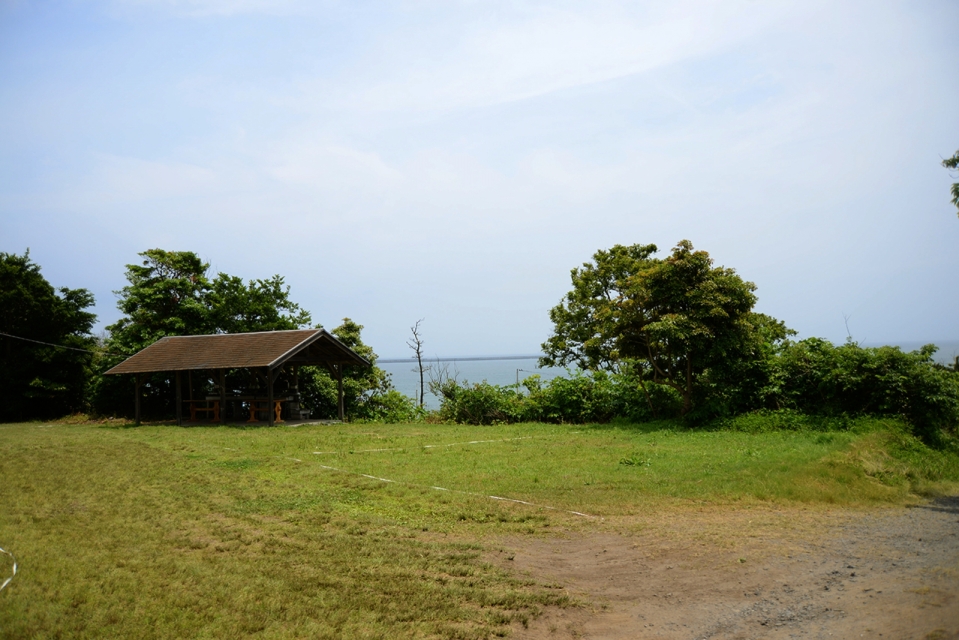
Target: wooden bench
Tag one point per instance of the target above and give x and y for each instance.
(265, 406)
(202, 406)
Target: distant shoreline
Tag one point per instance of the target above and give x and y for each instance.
(948, 350)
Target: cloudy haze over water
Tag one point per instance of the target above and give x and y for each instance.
(452, 161)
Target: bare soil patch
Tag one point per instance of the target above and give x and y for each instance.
(753, 573)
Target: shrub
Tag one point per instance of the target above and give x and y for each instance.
(820, 378)
(390, 406)
(479, 403)
(581, 398)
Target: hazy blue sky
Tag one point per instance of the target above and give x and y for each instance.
(454, 160)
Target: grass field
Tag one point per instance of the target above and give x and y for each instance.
(167, 532)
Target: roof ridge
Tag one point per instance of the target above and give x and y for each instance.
(241, 333)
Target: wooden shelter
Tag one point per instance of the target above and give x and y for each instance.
(266, 352)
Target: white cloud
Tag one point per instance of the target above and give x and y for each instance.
(548, 49)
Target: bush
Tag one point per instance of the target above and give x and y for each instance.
(820, 378)
(391, 406)
(479, 403)
(581, 398)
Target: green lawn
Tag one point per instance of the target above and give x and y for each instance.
(159, 531)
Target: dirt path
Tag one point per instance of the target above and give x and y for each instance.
(756, 574)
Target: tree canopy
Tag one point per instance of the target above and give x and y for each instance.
(675, 318)
(41, 381)
(170, 294)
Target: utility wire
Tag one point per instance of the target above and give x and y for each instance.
(58, 346)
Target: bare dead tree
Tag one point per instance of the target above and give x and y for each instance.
(416, 344)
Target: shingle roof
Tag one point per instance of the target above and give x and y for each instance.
(239, 350)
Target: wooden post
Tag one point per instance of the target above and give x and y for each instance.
(339, 391)
(136, 400)
(269, 394)
(222, 396)
(179, 401)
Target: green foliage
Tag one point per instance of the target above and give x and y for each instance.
(478, 403)
(366, 390)
(170, 294)
(391, 407)
(166, 297)
(817, 377)
(675, 319)
(582, 398)
(41, 381)
(742, 384)
(587, 324)
(260, 305)
(953, 163)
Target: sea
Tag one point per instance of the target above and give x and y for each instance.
(509, 370)
(498, 370)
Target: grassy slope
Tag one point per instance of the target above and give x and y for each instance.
(224, 532)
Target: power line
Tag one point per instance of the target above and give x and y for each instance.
(58, 346)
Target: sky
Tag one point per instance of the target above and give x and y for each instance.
(452, 161)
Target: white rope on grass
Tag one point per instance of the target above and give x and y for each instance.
(467, 493)
(427, 446)
(8, 580)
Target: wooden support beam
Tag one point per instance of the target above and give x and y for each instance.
(269, 394)
(179, 401)
(339, 392)
(136, 398)
(222, 396)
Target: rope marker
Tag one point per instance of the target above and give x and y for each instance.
(427, 446)
(468, 493)
(12, 575)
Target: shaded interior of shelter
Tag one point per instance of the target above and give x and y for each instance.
(249, 378)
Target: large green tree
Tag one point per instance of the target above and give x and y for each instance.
(166, 296)
(41, 381)
(171, 294)
(675, 320)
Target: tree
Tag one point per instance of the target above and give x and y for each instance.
(39, 380)
(170, 294)
(167, 296)
(416, 344)
(586, 324)
(953, 163)
(260, 305)
(676, 318)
